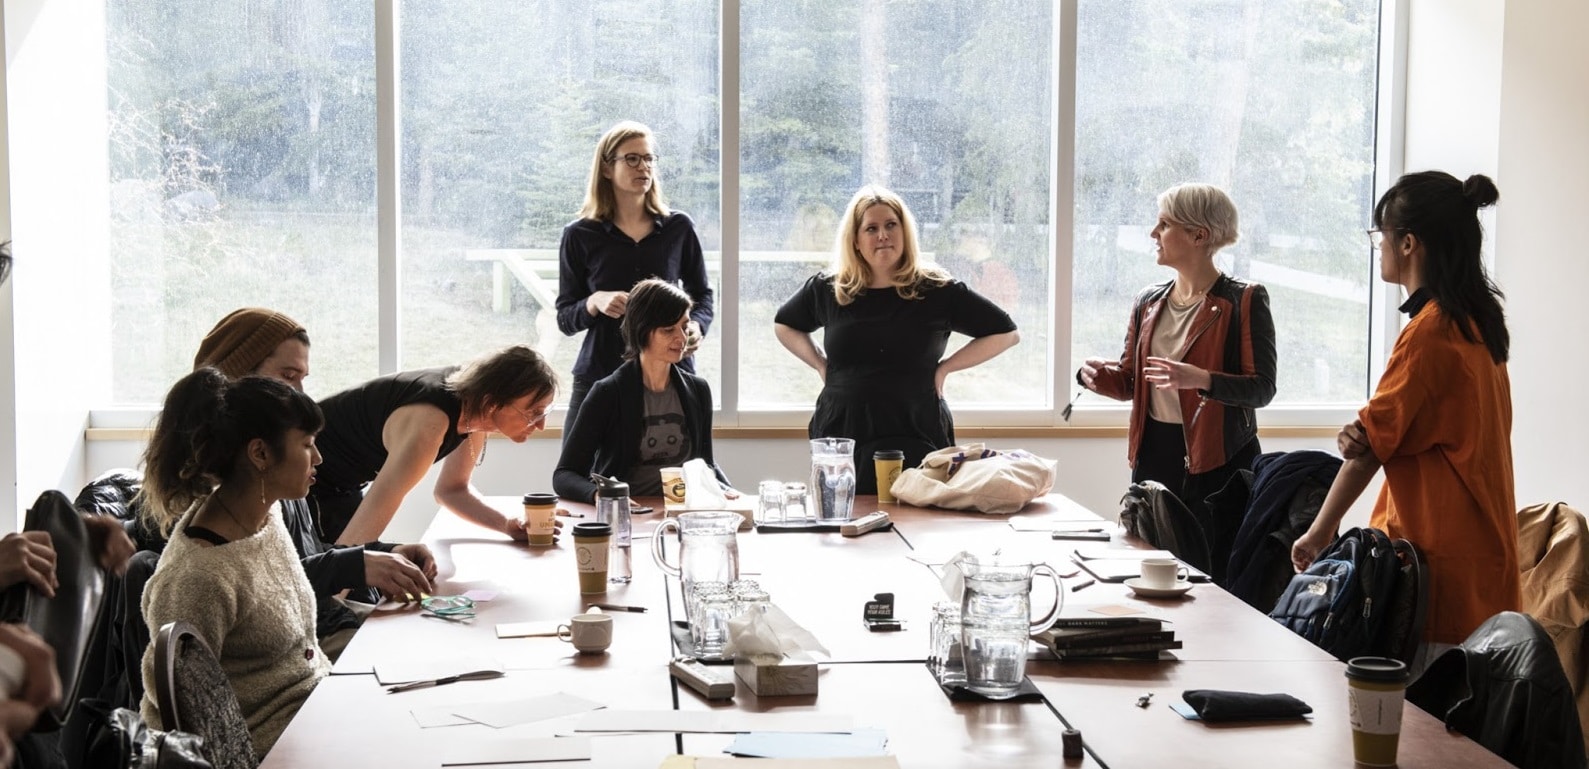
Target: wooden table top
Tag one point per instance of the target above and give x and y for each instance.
(822, 581)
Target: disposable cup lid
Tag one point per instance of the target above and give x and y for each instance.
(540, 498)
(583, 530)
(888, 454)
(1381, 669)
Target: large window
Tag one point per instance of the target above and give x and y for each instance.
(244, 168)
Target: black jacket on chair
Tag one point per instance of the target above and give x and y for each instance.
(1504, 688)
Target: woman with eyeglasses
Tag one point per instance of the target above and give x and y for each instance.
(1440, 422)
(382, 436)
(625, 233)
(1199, 355)
(647, 415)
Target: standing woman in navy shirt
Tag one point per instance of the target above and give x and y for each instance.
(887, 317)
(624, 234)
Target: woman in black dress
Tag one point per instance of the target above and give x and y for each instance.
(887, 317)
(624, 234)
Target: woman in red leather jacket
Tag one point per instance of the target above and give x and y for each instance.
(1199, 355)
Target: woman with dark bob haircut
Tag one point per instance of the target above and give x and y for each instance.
(647, 415)
(386, 433)
(223, 456)
(1440, 422)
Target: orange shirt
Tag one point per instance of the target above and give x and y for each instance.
(1441, 423)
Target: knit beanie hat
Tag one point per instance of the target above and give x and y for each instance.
(243, 340)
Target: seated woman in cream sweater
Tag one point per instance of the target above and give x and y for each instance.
(222, 456)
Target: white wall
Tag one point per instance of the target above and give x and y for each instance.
(60, 317)
(1543, 175)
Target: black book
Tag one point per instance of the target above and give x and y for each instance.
(1089, 641)
(1088, 629)
(1117, 650)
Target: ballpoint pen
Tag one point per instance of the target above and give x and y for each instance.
(620, 607)
(478, 675)
(1080, 585)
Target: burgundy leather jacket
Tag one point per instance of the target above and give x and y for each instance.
(1233, 337)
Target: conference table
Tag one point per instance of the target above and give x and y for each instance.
(877, 679)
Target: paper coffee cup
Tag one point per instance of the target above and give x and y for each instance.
(673, 485)
(888, 463)
(540, 518)
(590, 550)
(1376, 688)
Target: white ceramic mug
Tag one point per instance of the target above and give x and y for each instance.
(589, 633)
(1163, 573)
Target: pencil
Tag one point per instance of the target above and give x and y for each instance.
(1080, 585)
(620, 607)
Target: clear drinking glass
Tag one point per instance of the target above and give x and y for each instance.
(769, 502)
(713, 606)
(797, 503)
(945, 658)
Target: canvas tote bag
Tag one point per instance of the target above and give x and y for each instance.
(977, 478)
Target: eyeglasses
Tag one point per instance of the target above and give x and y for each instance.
(1376, 237)
(635, 160)
(530, 420)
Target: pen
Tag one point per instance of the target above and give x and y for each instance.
(1080, 585)
(620, 607)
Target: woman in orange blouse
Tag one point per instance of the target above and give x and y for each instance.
(1441, 421)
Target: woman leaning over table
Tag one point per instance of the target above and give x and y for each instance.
(381, 438)
(222, 457)
(887, 318)
(625, 233)
(650, 413)
(1440, 422)
(1199, 355)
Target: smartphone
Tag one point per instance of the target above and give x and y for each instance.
(639, 509)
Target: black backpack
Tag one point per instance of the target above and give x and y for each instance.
(1153, 513)
(1354, 600)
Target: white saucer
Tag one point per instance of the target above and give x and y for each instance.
(1140, 588)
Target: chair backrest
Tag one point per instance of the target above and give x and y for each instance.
(1153, 513)
(1553, 551)
(71, 621)
(1504, 688)
(194, 695)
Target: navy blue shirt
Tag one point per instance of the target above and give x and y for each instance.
(597, 256)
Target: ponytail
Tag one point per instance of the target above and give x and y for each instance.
(204, 427)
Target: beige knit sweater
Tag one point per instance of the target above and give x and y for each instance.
(251, 602)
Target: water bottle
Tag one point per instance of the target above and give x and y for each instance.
(612, 508)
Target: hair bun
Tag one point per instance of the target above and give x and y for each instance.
(1480, 191)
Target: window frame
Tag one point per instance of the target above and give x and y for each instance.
(1384, 321)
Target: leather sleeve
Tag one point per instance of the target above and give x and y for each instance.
(1254, 386)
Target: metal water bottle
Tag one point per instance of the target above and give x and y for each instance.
(612, 508)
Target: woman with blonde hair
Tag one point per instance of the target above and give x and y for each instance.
(887, 317)
(625, 233)
(1199, 355)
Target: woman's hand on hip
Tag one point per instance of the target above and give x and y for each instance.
(1167, 374)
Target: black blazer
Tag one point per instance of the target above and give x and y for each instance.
(605, 438)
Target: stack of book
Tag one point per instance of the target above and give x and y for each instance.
(1116, 637)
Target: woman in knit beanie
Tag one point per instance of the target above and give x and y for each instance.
(254, 340)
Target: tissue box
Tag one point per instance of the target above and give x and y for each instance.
(772, 676)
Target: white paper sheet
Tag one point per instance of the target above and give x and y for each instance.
(876, 762)
(514, 712)
(519, 751)
(725, 722)
(437, 716)
(1119, 554)
(404, 671)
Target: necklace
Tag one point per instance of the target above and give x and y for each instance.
(228, 509)
(1196, 296)
(480, 455)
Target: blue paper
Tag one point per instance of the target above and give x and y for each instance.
(858, 744)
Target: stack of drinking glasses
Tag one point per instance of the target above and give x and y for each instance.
(784, 504)
(713, 604)
(945, 658)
